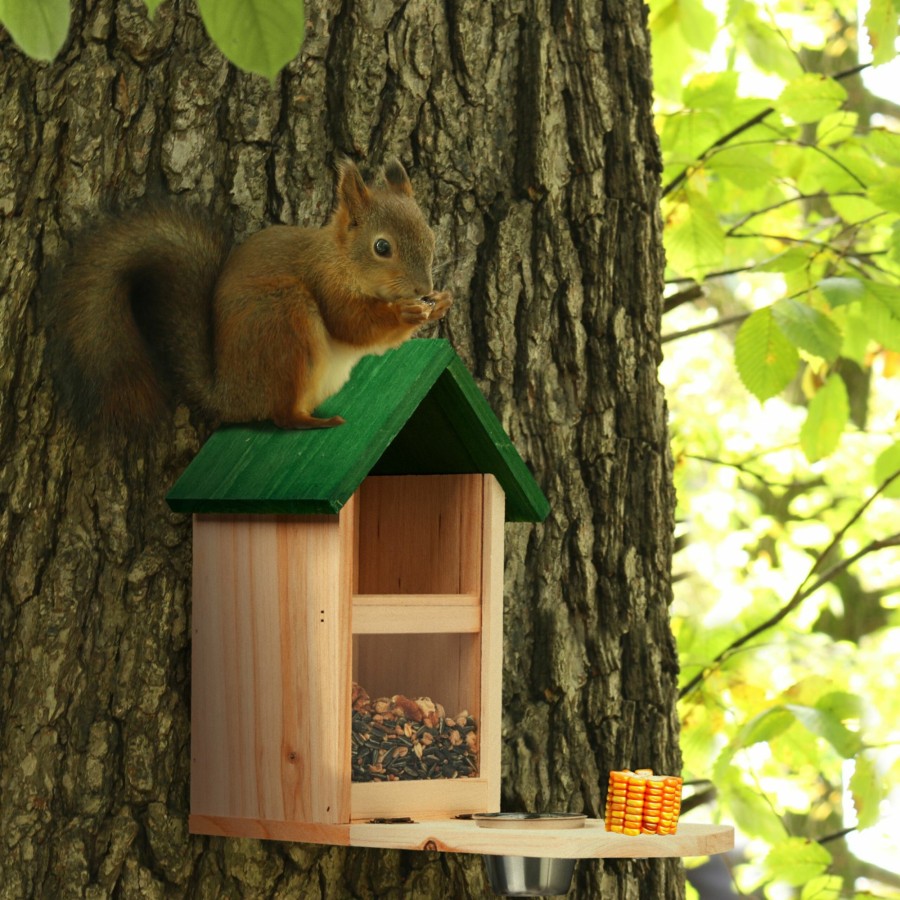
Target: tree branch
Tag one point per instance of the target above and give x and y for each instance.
(740, 129)
(875, 873)
(681, 177)
(722, 273)
(837, 835)
(802, 592)
(744, 469)
(699, 799)
(819, 195)
(709, 326)
(694, 292)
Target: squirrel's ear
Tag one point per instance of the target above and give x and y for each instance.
(352, 192)
(397, 178)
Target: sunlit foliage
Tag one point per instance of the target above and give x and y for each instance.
(781, 190)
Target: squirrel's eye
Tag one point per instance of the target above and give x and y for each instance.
(382, 247)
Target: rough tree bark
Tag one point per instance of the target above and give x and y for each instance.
(526, 126)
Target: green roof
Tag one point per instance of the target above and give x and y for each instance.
(415, 410)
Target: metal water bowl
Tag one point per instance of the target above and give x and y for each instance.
(529, 876)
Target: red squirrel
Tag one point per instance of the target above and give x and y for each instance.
(156, 303)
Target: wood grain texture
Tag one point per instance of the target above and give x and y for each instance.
(491, 641)
(592, 841)
(420, 535)
(453, 836)
(415, 601)
(270, 669)
(425, 617)
(427, 799)
(452, 526)
(274, 620)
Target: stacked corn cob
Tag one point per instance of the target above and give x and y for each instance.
(640, 802)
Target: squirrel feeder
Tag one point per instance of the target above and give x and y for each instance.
(368, 554)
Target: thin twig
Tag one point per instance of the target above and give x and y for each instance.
(687, 295)
(709, 326)
(722, 273)
(802, 592)
(683, 174)
(837, 835)
(786, 201)
(744, 469)
(839, 535)
(740, 129)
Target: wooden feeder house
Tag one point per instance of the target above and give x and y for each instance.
(370, 554)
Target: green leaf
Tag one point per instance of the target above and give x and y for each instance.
(796, 861)
(886, 195)
(836, 127)
(894, 244)
(855, 209)
(669, 49)
(790, 260)
(882, 327)
(822, 720)
(866, 790)
(766, 360)
(710, 90)
(841, 291)
(152, 6)
(808, 328)
(886, 294)
(841, 704)
(747, 167)
(763, 727)
(881, 28)
(810, 98)
(832, 170)
(856, 159)
(881, 307)
(695, 242)
(856, 331)
(39, 27)
(887, 464)
(823, 887)
(687, 134)
(764, 44)
(750, 812)
(258, 36)
(826, 419)
(826, 725)
(698, 24)
(884, 144)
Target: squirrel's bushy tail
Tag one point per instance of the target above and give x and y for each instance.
(132, 316)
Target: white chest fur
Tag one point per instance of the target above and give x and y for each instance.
(337, 365)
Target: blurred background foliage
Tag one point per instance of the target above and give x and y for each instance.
(780, 131)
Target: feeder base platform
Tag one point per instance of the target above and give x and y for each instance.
(464, 836)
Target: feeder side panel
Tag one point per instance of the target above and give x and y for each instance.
(271, 668)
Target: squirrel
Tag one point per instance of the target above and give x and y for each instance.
(156, 303)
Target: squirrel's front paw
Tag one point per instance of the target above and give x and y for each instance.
(440, 302)
(415, 312)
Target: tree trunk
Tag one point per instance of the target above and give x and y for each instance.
(527, 129)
